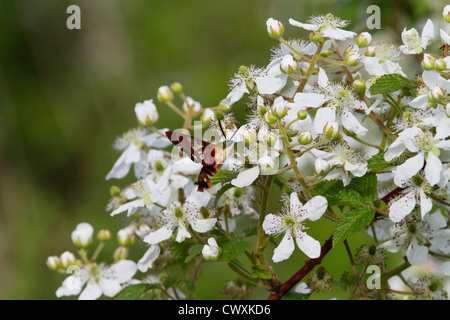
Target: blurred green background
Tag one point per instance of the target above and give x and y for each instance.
(65, 95)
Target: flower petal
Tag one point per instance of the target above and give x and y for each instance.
(410, 167)
(416, 253)
(433, 169)
(159, 235)
(203, 225)
(123, 270)
(402, 207)
(246, 177)
(146, 262)
(309, 245)
(91, 292)
(272, 224)
(314, 208)
(284, 249)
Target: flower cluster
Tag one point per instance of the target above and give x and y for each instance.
(334, 122)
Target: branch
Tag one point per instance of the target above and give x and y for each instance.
(279, 292)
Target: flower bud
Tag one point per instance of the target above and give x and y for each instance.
(82, 235)
(370, 52)
(275, 28)
(207, 115)
(270, 138)
(352, 58)
(126, 237)
(53, 262)
(447, 110)
(164, 94)
(436, 94)
(279, 108)
(269, 117)
(440, 64)
(364, 39)
(302, 114)
(114, 191)
(305, 138)
(104, 235)
(121, 253)
(211, 250)
(267, 165)
(176, 87)
(288, 65)
(146, 112)
(190, 105)
(428, 62)
(326, 53)
(331, 129)
(316, 37)
(67, 259)
(359, 85)
(321, 166)
(249, 135)
(446, 13)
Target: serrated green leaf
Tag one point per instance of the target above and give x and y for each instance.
(389, 83)
(221, 191)
(223, 176)
(132, 292)
(337, 194)
(351, 222)
(366, 186)
(232, 248)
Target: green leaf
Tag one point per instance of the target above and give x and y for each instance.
(351, 222)
(193, 252)
(232, 248)
(132, 292)
(337, 194)
(389, 83)
(223, 176)
(221, 191)
(377, 163)
(180, 251)
(292, 295)
(261, 273)
(366, 186)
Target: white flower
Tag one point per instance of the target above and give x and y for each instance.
(328, 26)
(413, 237)
(98, 280)
(432, 80)
(148, 192)
(414, 43)
(384, 60)
(180, 216)
(82, 235)
(290, 223)
(340, 101)
(288, 65)
(131, 143)
(191, 104)
(275, 28)
(211, 250)
(67, 259)
(428, 150)
(415, 191)
(146, 112)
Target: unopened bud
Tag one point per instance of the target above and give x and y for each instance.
(114, 191)
(288, 65)
(428, 62)
(331, 129)
(164, 94)
(249, 135)
(316, 37)
(67, 259)
(275, 28)
(321, 166)
(359, 85)
(176, 87)
(436, 94)
(326, 53)
(207, 115)
(279, 108)
(270, 138)
(190, 105)
(267, 165)
(440, 64)
(269, 117)
(126, 237)
(370, 52)
(82, 235)
(211, 250)
(364, 39)
(302, 114)
(104, 235)
(146, 112)
(446, 13)
(352, 58)
(53, 262)
(121, 253)
(305, 138)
